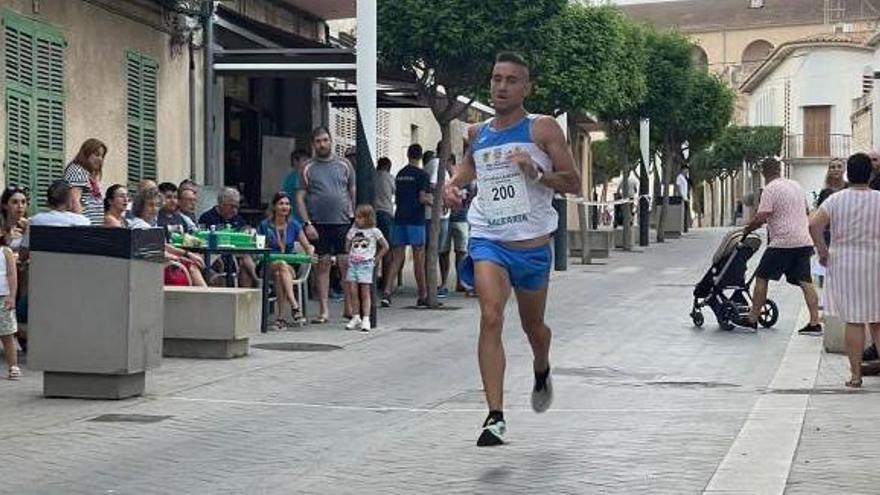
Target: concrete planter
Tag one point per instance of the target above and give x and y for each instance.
(213, 323)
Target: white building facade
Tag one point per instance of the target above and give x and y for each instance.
(808, 88)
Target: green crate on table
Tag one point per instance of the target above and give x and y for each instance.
(229, 238)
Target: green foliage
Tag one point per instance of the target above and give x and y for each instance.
(668, 69)
(592, 61)
(708, 110)
(735, 145)
(739, 144)
(453, 43)
(605, 164)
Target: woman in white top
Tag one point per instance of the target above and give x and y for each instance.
(853, 259)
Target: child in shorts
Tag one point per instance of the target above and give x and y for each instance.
(364, 243)
(8, 324)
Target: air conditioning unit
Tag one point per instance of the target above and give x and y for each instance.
(844, 27)
(756, 4)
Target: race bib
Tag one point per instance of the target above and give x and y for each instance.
(502, 190)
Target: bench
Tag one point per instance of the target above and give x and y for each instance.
(212, 323)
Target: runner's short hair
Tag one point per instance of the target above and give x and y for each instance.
(513, 58)
(384, 164)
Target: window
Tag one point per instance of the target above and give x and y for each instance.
(34, 71)
(140, 77)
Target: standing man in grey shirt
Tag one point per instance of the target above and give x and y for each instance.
(384, 203)
(326, 205)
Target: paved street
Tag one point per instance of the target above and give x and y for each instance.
(645, 404)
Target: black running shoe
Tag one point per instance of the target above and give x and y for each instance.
(385, 301)
(811, 329)
(870, 353)
(492, 433)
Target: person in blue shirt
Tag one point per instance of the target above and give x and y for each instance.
(282, 232)
(226, 213)
(413, 186)
(293, 181)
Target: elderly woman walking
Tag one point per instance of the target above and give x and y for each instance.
(853, 260)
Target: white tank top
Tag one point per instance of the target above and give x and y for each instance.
(508, 206)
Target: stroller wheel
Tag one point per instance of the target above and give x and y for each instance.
(769, 314)
(698, 319)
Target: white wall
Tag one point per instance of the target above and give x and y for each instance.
(819, 76)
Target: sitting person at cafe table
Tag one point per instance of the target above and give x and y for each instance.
(115, 204)
(224, 214)
(170, 215)
(282, 232)
(64, 208)
(145, 209)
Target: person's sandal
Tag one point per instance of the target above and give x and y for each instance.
(279, 325)
(319, 320)
(854, 383)
(14, 372)
(298, 319)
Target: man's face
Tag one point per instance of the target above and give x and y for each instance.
(228, 208)
(510, 86)
(169, 205)
(187, 199)
(323, 145)
(875, 160)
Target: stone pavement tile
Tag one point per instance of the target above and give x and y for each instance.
(645, 404)
(838, 451)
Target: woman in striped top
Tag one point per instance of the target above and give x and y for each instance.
(853, 260)
(84, 176)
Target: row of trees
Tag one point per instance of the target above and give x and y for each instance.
(586, 61)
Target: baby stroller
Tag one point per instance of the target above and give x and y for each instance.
(724, 287)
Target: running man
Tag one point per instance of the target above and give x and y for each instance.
(519, 161)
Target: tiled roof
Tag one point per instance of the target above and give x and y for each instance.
(709, 15)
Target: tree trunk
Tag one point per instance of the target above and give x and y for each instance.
(627, 207)
(711, 202)
(668, 159)
(722, 187)
(432, 254)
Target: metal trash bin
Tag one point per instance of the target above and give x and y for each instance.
(96, 309)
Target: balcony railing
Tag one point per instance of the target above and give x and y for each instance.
(817, 146)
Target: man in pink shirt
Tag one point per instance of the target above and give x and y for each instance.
(784, 209)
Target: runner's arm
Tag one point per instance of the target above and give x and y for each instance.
(564, 177)
(467, 171)
(464, 174)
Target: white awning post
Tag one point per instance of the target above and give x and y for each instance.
(366, 106)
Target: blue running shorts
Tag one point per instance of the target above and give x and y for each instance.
(528, 269)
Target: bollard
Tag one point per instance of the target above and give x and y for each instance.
(560, 240)
(586, 257)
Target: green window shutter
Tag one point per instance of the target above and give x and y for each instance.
(141, 97)
(34, 70)
(49, 99)
(19, 151)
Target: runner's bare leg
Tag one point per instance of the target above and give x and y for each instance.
(493, 289)
(532, 305)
